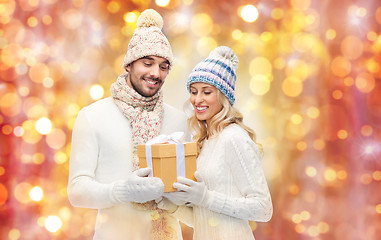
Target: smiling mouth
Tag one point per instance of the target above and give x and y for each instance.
(201, 109)
(151, 83)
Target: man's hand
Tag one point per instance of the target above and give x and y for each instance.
(165, 204)
(138, 187)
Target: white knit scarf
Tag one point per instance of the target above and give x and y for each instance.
(145, 115)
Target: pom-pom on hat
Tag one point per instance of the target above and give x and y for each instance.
(218, 69)
(148, 39)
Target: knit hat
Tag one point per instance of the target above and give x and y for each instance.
(218, 69)
(148, 39)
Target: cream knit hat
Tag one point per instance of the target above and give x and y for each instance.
(148, 39)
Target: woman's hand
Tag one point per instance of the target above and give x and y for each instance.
(165, 204)
(192, 192)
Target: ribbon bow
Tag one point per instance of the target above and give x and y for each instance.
(174, 138)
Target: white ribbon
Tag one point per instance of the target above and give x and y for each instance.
(174, 138)
(149, 159)
(180, 159)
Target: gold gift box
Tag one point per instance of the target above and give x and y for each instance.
(164, 162)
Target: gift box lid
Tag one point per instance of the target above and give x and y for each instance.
(163, 150)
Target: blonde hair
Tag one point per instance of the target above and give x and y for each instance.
(222, 119)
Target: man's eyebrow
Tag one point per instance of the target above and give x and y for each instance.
(152, 59)
(147, 57)
(166, 62)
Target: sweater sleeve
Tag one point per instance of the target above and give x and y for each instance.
(83, 189)
(244, 160)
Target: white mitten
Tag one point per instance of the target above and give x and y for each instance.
(164, 203)
(171, 196)
(194, 192)
(138, 187)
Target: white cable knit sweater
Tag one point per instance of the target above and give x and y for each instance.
(101, 154)
(231, 167)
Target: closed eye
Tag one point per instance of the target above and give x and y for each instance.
(164, 67)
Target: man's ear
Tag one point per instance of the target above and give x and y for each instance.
(128, 67)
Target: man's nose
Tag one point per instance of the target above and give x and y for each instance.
(155, 71)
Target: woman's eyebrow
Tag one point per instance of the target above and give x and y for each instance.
(201, 87)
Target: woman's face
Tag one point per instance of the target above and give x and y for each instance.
(204, 99)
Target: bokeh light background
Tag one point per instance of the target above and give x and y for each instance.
(309, 83)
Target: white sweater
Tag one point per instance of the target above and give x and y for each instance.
(101, 154)
(231, 167)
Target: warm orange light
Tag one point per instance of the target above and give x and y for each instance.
(249, 13)
(3, 194)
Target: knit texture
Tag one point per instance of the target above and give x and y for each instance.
(145, 115)
(148, 39)
(138, 188)
(219, 70)
(101, 155)
(230, 166)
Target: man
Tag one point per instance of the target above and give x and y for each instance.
(104, 171)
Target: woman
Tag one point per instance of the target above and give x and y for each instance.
(231, 187)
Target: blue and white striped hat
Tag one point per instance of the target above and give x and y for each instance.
(218, 69)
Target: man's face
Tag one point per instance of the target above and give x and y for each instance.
(146, 75)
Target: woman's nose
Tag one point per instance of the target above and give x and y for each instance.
(198, 99)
